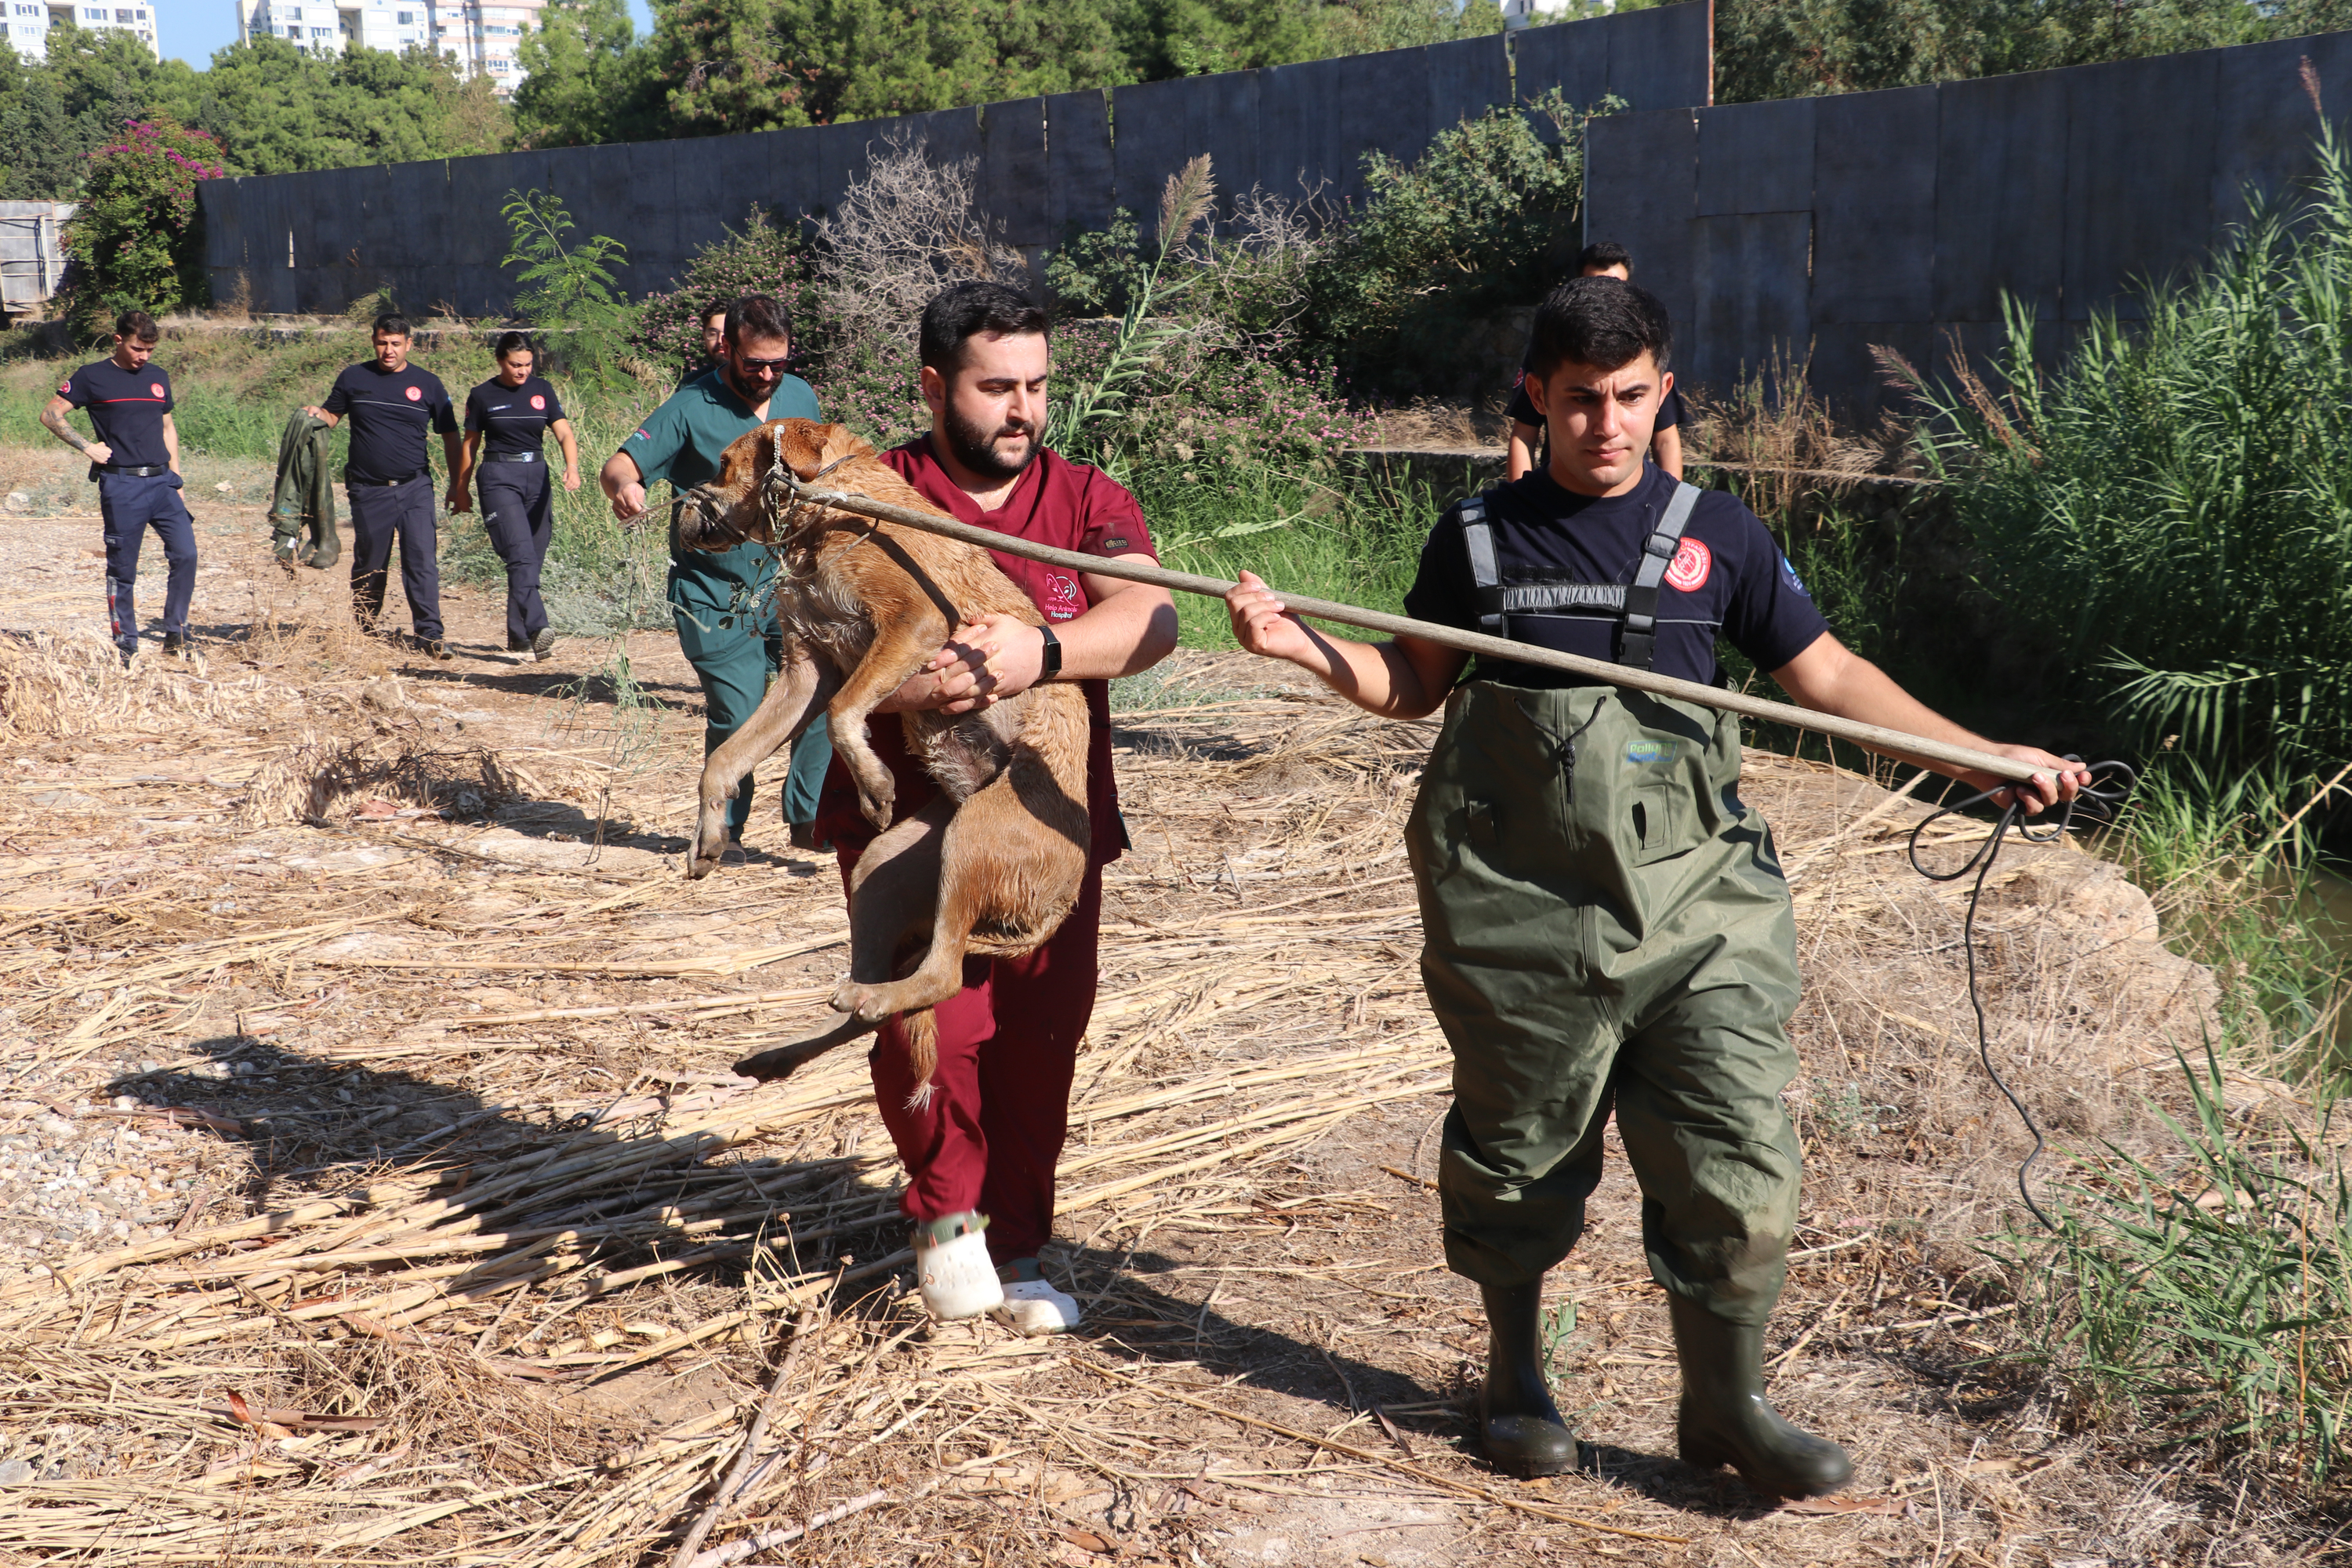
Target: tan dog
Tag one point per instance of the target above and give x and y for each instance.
(994, 864)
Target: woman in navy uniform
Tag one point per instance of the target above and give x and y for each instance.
(511, 413)
(136, 463)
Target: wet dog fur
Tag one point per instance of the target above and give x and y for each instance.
(993, 864)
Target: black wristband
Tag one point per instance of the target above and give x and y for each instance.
(1053, 664)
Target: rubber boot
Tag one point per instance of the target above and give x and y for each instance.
(1726, 1420)
(1519, 1426)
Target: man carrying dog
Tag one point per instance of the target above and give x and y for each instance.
(720, 600)
(980, 1151)
(1605, 923)
(135, 463)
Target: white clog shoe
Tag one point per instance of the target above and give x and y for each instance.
(1033, 1307)
(955, 1275)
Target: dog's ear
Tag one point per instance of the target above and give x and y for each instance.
(841, 441)
(800, 444)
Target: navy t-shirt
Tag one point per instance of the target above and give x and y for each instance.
(126, 408)
(1728, 579)
(389, 414)
(515, 417)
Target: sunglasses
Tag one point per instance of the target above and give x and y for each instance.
(755, 365)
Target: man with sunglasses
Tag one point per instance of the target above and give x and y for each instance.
(720, 600)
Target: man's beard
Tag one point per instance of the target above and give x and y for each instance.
(753, 395)
(974, 445)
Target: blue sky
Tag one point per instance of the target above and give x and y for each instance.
(191, 30)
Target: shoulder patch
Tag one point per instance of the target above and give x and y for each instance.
(1789, 574)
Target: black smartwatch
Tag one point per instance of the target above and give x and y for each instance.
(1052, 665)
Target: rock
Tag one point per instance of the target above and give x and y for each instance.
(19, 501)
(15, 1473)
(225, 487)
(2083, 917)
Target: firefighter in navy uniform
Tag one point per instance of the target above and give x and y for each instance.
(135, 462)
(389, 478)
(511, 415)
(1606, 926)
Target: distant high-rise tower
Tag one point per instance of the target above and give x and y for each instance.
(30, 21)
(479, 35)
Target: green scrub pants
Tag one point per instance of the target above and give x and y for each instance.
(735, 655)
(1607, 926)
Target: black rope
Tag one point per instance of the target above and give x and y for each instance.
(2100, 797)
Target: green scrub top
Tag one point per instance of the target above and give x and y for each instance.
(682, 442)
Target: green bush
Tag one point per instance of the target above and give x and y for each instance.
(1486, 217)
(136, 242)
(758, 258)
(2171, 508)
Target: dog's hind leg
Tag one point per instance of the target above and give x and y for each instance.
(994, 866)
(891, 894)
(802, 688)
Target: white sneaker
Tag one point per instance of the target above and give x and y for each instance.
(1033, 1307)
(957, 1279)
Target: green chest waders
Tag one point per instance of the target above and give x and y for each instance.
(1606, 925)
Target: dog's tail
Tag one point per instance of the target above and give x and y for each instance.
(922, 1026)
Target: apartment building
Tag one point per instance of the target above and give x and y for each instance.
(30, 21)
(480, 35)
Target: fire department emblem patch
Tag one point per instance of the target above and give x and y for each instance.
(1692, 562)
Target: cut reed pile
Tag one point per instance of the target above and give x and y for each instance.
(474, 1251)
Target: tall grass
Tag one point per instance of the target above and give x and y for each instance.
(2172, 507)
(2206, 1306)
(2228, 858)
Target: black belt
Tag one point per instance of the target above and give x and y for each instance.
(144, 471)
(355, 479)
(513, 457)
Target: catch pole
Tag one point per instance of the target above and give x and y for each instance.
(1895, 742)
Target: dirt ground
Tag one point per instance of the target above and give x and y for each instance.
(373, 1189)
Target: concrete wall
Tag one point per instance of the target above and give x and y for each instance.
(432, 232)
(1902, 217)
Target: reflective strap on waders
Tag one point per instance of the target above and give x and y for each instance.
(1638, 637)
(1478, 541)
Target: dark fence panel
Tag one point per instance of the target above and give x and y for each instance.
(1078, 163)
(1570, 55)
(1875, 207)
(1466, 79)
(1641, 171)
(1825, 226)
(431, 231)
(2000, 197)
(1013, 169)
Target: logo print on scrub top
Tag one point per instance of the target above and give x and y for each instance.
(1692, 562)
(1794, 580)
(156, 387)
(1647, 748)
(415, 395)
(537, 401)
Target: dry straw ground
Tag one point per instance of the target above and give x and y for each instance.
(381, 1196)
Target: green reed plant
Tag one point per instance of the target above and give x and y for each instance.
(2228, 858)
(2172, 506)
(2205, 1304)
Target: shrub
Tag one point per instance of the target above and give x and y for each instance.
(136, 241)
(2172, 507)
(1485, 218)
(758, 258)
